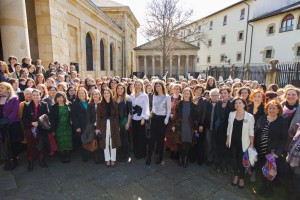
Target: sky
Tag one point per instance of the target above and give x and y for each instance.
(201, 9)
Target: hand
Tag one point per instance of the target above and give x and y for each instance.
(173, 128)
(251, 146)
(227, 143)
(142, 121)
(127, 126)
(166, 121)
(97, 132)
(171, 116)
(200, 129)
(35, 124)
(78, 130)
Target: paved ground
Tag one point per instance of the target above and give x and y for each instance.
(134, 180)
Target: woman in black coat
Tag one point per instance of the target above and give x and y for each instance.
(36, 136)
(79, 115)
(271, 133)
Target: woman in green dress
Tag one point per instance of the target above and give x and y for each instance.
(61, 125)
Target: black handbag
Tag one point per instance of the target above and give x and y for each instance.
(89, 134)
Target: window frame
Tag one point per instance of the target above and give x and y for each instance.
(208, 59)
(242, 15)
(225, 20)
(223, 39)
(239, 54)
(268, 55)
(298, 51)
(210, 43)
(287, 23)
(211, 24)
(89, 52)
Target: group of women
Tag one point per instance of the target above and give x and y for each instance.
(207, 121)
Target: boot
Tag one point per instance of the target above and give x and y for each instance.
(30, 166)
(185, 160)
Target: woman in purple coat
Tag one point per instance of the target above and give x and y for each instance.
(11, 132)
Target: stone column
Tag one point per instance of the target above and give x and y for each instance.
(153, 65)
(171, 67)
(194, 64)
(14, 29)
(187, 66)
(145, 65)
(161, 66)
(178, 68)
(138, 64)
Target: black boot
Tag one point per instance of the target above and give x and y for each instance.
(185, 160)
(7, 166)
(30, 166)
(148, 161)
(43, 164)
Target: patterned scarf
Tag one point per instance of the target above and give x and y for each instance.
(246, 162)
(270, 168)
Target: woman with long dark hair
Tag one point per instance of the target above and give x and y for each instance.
(125, 113)
(161, 111)
(108, 126)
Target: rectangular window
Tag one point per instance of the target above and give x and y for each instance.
(208, 59)
(209, 43)
(271, 30)
(269, 54)
(198, 44)
(298, 51)
(238, 57)
(223, 40)
(240, 35)
(198, 60)
(242, 16)
(225, 20)
(199, 28)
(222, 58)
(211, 23)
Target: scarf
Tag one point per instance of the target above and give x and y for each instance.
(270, 168)
(246, 162)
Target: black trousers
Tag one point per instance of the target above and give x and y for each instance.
(138, 139)
(158, 129)
(237, 153)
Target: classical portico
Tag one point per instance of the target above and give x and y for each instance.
(150, 62)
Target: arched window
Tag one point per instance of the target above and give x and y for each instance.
(287, 23)
(102, 55)
(111, 50)
(89, 52)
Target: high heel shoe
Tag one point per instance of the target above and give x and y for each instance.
(148, 161)
(235, 181)
(107, 163)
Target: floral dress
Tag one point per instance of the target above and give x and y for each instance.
(63, 133)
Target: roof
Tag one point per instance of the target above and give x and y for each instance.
(107, 3)
(294, 6)
(179, 45)
(235, 4)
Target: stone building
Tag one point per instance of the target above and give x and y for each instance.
(97, 35)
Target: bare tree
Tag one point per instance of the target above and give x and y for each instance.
(164, 18)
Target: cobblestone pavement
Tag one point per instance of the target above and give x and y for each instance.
(134, 180)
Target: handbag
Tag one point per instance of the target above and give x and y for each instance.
(89, 134)
(92, 146)
(44, 122)
(52, 143)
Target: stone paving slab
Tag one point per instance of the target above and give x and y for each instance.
(134, 180)
(7, 182)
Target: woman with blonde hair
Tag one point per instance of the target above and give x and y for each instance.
(140, 113)
(4, 73)
(10, 127)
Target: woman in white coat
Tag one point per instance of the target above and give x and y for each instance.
(240, 136)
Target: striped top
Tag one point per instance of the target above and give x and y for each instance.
(263, 140)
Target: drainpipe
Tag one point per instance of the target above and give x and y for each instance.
(246, 31)
(250, 42)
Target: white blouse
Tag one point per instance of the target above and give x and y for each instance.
(143, 101)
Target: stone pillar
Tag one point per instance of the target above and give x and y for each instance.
(161, 66)
(186, 66)
(273, 73)
(153, 65)
(247, 72)
(178, 68)
(145, 65)
(171, 67)
(14, 29)
(232, 71)
(138, 64)
(194, 64)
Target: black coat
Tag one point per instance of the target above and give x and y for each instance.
(208, 113)
(201, 110)
(260, 111)
(91, 113)
(54, 116)
(28, 115)
(78, 115)
(278, 134)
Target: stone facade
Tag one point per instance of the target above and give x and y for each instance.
(55, 30)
